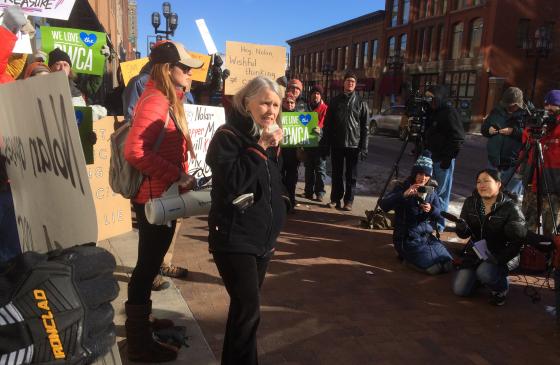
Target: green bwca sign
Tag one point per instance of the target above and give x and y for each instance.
(300, 129)
(83, 47)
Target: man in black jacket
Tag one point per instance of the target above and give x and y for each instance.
(444, 138)
(345, 133)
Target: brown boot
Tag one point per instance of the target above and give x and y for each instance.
(158, 323)
(141, 345)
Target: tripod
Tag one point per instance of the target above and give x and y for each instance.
(370, 214)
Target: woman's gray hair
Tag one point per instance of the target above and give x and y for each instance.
(249, 91)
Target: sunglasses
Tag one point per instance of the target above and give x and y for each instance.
(183, 68)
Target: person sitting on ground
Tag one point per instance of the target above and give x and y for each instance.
(489, 215)
(416, 206)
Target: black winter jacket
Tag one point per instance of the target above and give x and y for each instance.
(346, 123)
(240, 166)
(445, 133)
(503, 229)
(503, 150)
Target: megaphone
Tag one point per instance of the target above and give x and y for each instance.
(172, 205)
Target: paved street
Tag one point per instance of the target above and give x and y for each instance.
(336, 294)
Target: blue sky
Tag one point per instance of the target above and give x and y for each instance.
(253, 21)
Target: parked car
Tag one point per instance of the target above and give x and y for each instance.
(392, 120)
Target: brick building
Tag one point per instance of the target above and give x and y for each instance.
(476, 47)
(332, 51)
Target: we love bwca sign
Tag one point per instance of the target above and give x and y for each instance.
(300, 129)
(83, 47)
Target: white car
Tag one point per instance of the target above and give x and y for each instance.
(392, 120)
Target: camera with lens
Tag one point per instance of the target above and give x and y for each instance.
(417, 109)
(538, 121)
(423, 192)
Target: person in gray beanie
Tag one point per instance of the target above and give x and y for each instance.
(417, 208)
(504, 128)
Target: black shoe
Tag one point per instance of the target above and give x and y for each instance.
(308, 196)
(498, 299)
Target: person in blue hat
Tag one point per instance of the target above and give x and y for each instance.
(417, 209)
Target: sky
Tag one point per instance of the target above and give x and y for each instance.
(253, 21)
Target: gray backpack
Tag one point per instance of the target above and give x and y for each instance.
(124, 178)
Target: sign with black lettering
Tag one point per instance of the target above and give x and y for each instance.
(54, 9)
(46, 165)
(203, 122)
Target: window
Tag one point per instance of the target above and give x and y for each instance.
(420, 43)
(457, 41)
(374, 47)
(403, 44)
(406, 11)
(312, 62)
(321, 60)
(357, 56)
(476, 37)
(427, 38)
(523, 33)
(462, 86)
(365, 54)
(346, 57)
(391, 46)
(443, 7)
(395, 13)
(438, 43)
(317, 65)
(337, 56)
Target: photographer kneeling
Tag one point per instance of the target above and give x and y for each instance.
(416, 206)
(491, 216)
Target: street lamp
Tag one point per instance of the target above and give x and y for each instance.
(171, 21)
(395, 63)
(539, 48)
(327, 70)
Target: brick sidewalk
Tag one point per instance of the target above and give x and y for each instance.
(321, 306)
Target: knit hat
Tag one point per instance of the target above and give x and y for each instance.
(295, 83)
(512, 96)
(552, 98)
(423, 164)
(350, 75)
(318, 89)
(58, 55)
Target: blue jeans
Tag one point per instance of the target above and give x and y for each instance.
(492, 275)
(444, 178)
(9, 238)
(315, 172)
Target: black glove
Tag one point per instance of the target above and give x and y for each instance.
(363, 155)
(445, 163)
(462, 226)
(58, 305)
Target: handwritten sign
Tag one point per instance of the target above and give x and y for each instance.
(200, 73)
(45, 163)
(203, 123)
(83, 47)
(130, 69)
(55, 9)
(245, 61)
(300, 129)
(113, 211)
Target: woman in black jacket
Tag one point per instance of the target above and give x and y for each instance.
(248, 208)
(489, 215)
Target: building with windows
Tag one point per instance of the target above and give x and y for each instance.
(476, 47)
(324, 56)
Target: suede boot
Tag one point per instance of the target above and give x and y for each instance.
(158, 323)
(141, 345)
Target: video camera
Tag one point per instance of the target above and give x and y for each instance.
(417, 109)
(538, 121)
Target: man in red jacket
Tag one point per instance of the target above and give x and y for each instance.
(551, 170)
(13, 21)
(315, 163)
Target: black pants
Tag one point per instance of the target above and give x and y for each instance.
(339, 158)
(153, 243)
(290, 165)
(243, 276)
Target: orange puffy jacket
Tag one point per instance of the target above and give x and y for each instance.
(161, 168)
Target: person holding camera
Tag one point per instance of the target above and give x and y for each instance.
(345, 136)
(444, 137)
(416, 207)
(551, 170)
(159, 107)
(504, 128)
(249, 206)
(496, 227)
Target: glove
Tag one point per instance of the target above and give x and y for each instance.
(59, 305)
(445, 163)
(29, 28)
(105, 51)
(461, 225)
(363, 155)
(14, 19)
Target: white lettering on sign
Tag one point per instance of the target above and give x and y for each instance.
(82, 59)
